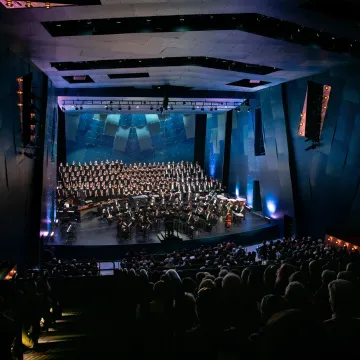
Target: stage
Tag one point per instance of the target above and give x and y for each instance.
(95, 238)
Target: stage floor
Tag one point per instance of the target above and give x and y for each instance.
(95, 232)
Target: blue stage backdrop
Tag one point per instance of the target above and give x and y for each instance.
(129, 137)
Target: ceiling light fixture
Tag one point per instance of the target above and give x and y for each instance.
(106, 107)
(81, 107)
(171, 107)
(28, 4)
(193, 107)
(9, 3)
(119, 108)
(129, 107)
(47, 5)
(151, 107)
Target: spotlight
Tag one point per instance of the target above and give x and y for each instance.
(106, 107)
(81, 107)
(9, 3)
(129, 107)
(211, 109)
(171, 107)
(193, 107)
(76, 108)
(119, 108)
(151, 107)
(202, 109)
(215, 108)
(137, 106)
(47, 5)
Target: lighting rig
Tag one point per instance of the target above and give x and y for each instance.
(157, 106)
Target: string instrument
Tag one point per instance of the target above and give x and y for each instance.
(228, 220)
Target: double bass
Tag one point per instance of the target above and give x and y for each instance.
(228, 220)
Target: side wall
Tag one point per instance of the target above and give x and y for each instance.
(328, 193)
(16, 171)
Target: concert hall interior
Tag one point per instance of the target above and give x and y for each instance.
(138, 129)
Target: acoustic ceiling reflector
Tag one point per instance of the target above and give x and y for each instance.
(201, 61)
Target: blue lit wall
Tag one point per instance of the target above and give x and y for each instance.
(214, 146)
(272, 170)
(130, 137)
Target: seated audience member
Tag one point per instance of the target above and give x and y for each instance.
(240, 309)
(291, 333)
(343, 329)
(203, 341)
(321, 297)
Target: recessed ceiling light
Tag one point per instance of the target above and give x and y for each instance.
(148, 20)
(137, 106)
(58, 25)
(118, 22)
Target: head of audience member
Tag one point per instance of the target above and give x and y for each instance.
(270, 305)
(297, 295)
(282, 277)
(298, 276)
(327, 276)
(343, 298)
(347, 275)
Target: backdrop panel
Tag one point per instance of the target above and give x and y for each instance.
(129, 137)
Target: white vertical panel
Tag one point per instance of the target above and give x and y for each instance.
(189, 124)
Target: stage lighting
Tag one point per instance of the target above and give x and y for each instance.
(193, 107)
(202, 109)
(76, 108)
(151, 107)
(106, 107)
(171, 107)
(9, 3)
(129, 107)
(215, 108)
(28, 4)
(47, 5)
(119, 108)
(211, 109)
(81, 107)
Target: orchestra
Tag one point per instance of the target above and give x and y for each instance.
(143, 196)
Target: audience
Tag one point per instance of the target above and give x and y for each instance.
(293, 297)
